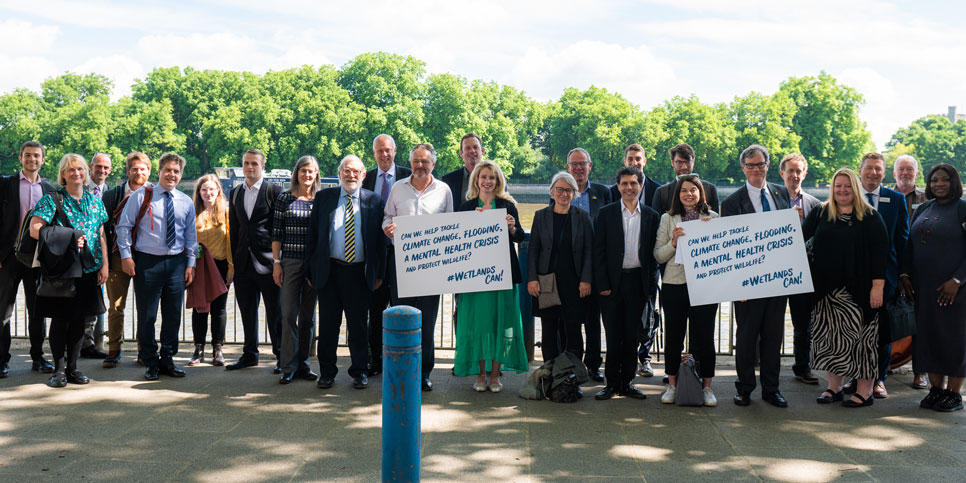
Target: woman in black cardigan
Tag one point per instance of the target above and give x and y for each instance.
(849, 246)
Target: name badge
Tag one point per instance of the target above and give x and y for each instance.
(883, 199)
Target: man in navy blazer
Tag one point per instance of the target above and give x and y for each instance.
(347, 262)
(891, 205)
(761, 322)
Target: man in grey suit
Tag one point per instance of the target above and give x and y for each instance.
(793, 169)
(760, 321)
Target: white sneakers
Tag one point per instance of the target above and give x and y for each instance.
(668, 396)
(709, 399)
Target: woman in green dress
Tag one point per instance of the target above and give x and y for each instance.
(490, 330)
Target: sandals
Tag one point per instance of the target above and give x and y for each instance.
(835, 396)
(852, 404)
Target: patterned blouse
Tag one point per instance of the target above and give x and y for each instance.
(291, 225)
(86, 215)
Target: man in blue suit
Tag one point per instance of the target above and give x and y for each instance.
(891, 205)
(347, 262)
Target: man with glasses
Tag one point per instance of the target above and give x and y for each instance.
(682, 161)
(419, 194)
(761, 322)
(590, 197)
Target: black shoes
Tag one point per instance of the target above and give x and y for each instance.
(276, 369)
(806, 378)
(77, 377)
(633, 392)
(850, 387)
(326, 382)
(427, 385)
(170, 369)
(360, 381)
(43, 366)
(949, 401)
(935, 394)
(57, 379)
(92, 353)
(375, 370)
(241, 364)
(4, 370)
(835, 396)
(306, 373)
(849, 403)
(595, 375)
(606, 393)
(742, 399)
(776, 399)
(286, 378)
(151, 373)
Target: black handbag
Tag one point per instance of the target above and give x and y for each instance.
(60, 287)
(56, 287)
(901, 313)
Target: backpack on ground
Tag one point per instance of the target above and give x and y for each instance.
(690, 387)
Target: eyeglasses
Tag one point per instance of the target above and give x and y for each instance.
(348, 172)
(563, 191)
(583, 164)
(755, 165)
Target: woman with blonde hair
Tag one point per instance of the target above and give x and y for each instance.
(490, 331)
(849, 248)
(211, 222)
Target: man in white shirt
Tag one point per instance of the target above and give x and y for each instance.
(420, 194)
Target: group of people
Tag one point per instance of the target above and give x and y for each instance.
(608, 252)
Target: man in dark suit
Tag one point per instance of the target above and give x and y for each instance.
(346, 257)
(19, 193)
(458, 180)
(635, 157)
(590, 197)
(891, 205)
(682, 161)
(250, 212)
(624, 278)
(380, 180)
(761, 322)
(793, 169)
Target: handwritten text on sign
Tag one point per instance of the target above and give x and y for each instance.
(744, 257)
(466, 251)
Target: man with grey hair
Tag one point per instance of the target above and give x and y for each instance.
(590, 197)
(761, 322)
(93, 341)
(380, 180)
(346, 257)
(419, 194)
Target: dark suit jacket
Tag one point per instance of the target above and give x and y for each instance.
(809, 203)
(650, 187)
(740, 204)
(454, 179)
(609, 249)
(251, 236)
(541, 243)
(317, 246)
(399, 173)
(599, 197)
(511, 209)
(662, 197)
(896, 219)
(10, 221)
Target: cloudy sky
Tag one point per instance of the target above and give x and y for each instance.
(907, 58)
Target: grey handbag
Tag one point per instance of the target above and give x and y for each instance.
(549, 297)
(690, 387)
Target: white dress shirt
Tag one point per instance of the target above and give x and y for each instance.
(632, 235)
(755, 195)
(875, 195)
(405, 199)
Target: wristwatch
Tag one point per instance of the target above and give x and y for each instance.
(957, 280)
(276, 261)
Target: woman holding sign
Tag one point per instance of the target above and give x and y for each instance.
(491, 329)
(560, 251)
(849, 249)
(689, 204)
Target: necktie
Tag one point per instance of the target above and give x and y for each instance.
(765, 206)
(350, 230)
(169, 229)
(385, 186)
(97, 190)
(871, 198)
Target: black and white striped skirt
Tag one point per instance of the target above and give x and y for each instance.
(843, 343)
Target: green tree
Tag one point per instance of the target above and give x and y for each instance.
(932, 140)
(706, 128)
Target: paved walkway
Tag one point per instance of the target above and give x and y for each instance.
(218, 426)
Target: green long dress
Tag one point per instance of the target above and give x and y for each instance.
(489, 328)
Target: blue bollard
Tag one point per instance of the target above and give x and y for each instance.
(401, 392)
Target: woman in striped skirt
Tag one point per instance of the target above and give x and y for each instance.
(849, 249)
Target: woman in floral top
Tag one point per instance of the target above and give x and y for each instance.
(86, 213)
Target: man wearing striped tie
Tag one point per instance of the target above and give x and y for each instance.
(346, 256)
(163, 245)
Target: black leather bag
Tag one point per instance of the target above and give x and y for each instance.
(56, 287)
(901, 313)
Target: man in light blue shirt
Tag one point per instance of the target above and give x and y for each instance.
(163, 245)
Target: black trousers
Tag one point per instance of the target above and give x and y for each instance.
(12, 273)
(681, 318)
(346, 292)
(592, 357)
(622, 319)
(800, 306)
(561, 332)
(66, 338)
(429, 306)
(251, 286)
(378, 302)
(218, 312)
(761, 324)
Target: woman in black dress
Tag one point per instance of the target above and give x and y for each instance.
(933, 271)
(560, 243)
(849, 246)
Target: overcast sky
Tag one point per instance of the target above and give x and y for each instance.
(907, 58)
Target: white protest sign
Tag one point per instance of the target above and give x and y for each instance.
(744, 257)
(465, 251)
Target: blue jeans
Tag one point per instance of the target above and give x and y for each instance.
(159, 280)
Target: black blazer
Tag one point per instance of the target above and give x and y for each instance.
(599, 197)
(399, 173)
(662, 197)
(511, 209)
(317, 247)
(251, 236)
(740, 204)
(609, 248)
(650, 187)
(454, 179)
(541, 243)
(10, 221)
